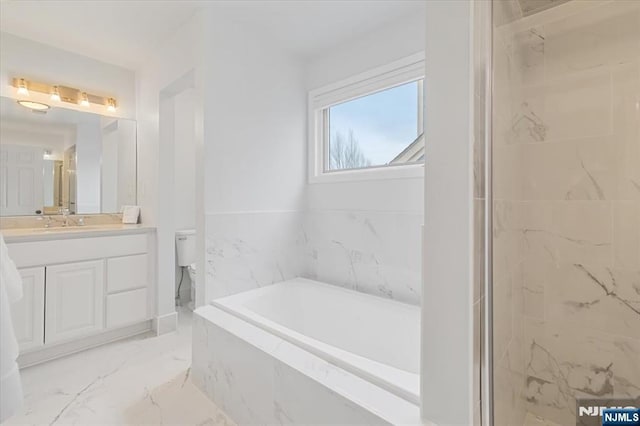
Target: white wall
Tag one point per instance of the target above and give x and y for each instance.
(157, 83)
(376, 222)
(127, 160)
(255, 120)
(24, 58)
(184, 189)
(447, 332)
(386, 44)
(255, 158)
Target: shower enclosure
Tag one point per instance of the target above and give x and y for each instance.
(563, 216)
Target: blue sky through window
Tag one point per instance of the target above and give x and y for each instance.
(383, 123)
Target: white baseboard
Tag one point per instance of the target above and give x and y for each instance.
(166, 323)
(48, 353)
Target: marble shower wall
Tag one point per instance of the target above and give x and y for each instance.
(566, 211)
(508, 328)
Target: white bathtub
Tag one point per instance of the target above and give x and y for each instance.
(374, 338)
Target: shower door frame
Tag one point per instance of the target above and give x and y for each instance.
(484, 11)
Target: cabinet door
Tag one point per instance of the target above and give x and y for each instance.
(74, 300)
(27, 313)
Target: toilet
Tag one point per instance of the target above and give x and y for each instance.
(186, 253)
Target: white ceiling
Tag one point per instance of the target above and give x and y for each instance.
(117, 32)
(307, 27)
(122, 32)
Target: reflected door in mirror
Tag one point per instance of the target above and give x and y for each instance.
(21, 179)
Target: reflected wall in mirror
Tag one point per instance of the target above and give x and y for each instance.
(64, 159)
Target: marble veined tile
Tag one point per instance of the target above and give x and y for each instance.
(626, 128)
(145, 380)
(626, 234)
(576, 169)
(569, 232)
(250, 250)
(528, 50)
(598, 298)
(376, 253)
(565, 362)
(598, 37)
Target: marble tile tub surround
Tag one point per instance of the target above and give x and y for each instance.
(373, 252)
(248, 250)
(261, 379)
(567, 212)
(12, 222)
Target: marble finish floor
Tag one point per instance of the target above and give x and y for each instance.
(143, 380)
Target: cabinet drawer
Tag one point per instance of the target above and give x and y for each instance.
(127, 273)
(127, 307)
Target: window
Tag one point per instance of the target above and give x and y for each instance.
(370, 126)
(376, 130)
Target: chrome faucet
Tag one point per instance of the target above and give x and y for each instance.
(65, 216)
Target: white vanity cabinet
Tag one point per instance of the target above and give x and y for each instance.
(27, 314)
(81, 289)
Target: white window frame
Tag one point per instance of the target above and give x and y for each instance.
(394, 74)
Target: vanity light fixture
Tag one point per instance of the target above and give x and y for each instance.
(22, 87)
(55, 94)
(34, 106)
(59, 93)
(84, 100)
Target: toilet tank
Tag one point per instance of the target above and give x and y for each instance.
(186, 246)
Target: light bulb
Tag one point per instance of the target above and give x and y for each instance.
(84, 100)
(111, 105)
(55, 94)
(22, 88)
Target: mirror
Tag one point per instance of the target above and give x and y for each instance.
(64, 159)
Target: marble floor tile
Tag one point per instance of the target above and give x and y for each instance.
(143, 380)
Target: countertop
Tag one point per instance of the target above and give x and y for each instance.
(14, 235)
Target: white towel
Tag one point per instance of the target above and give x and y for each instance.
(10, 292)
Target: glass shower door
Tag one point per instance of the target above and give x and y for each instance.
(566, 207)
